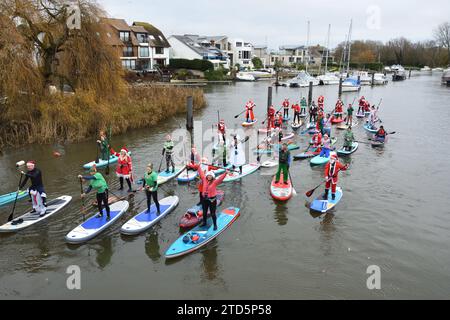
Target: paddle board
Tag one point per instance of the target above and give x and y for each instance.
(318, 160)
(246, 170)
(187, 175)
(249, 124)
(280, 191)
(164, 176)
(10, 197)
(321, 205)
(343, 152)
(194, 215)
(102, 163)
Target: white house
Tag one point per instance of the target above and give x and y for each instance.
(189, 46)
(153, 47)
(241, 53)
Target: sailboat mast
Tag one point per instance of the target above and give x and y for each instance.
(307, 48)
(349, 45)
(328, 49)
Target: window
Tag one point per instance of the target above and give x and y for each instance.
(142, 37)
(127, 51)
(144, 52)
(245, 54)
(124, 36)
(238, 44)
(129, 64)
(240, 54)
(159, 50)
(218, 46)
(291, 59)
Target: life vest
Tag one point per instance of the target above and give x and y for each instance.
(381, 133)
(221, 127)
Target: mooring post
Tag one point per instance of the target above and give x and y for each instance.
(373, 79)
(190, 113)
(310, 92)
(269, 98)
(409, 76)
(340, 87)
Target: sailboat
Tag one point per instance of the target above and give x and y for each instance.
(328, 77)
(351, 83)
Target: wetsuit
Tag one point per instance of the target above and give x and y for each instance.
(36, 190)
(151, 181)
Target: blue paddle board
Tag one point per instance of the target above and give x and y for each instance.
(321, 205)
(10, 197)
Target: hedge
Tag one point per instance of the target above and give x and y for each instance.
(196, 64)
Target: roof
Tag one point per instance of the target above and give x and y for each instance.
(260, 46)
(158, 40)
(192, 41)
(116, 26)
(138, 29)
(292, 47)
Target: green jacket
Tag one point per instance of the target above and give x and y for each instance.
(104, 148)
(348, 138)
(168, 146)
(151, 180)
(98, 183)
(350, 111)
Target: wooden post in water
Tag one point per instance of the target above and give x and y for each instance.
(190, 113)
(373, 79)
(310, 92)
(269, 98)
(409, 76)
(340, 87)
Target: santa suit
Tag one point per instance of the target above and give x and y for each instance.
(271, 117)
(286, 108)
(249, 113)
(320, 101)
(222, 128)
(331, 174)
(124, 166)
(362, 104)
(296, 108)
(317, 140)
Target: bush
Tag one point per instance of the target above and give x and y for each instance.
(215, 75)
(196, 64)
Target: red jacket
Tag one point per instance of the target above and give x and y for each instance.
(296, 107)
(329, 173)
(209, 188)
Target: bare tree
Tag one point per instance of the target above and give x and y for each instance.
(442, 35)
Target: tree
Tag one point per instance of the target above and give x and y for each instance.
(442, 36)
(257, 63)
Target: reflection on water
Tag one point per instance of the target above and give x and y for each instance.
(104, 251)
(152, 249)
(280, 214)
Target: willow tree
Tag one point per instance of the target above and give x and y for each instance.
(66, 43)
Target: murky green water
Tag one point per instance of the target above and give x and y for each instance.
(394, 214)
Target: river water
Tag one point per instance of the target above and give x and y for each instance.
(394, 215)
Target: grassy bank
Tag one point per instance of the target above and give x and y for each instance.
(70, 118)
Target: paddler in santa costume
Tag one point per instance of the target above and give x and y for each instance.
(362, 103)
(331, 173)
(249, 115)
(271, 117)
(296, 108)
(286, 108)
(124, 167)
(320, 102)
(36, 190)
(338, 110)
(221, 129)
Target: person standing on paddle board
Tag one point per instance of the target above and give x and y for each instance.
(338, 109)
(208, 196)
(320, 122)
(350, 115)
(362, 104)
(320, 102)
(296, 108)
(237, 154)
(326, 146)
(317, 140)
(327, 123)
(331, 172)
(313, 112)
(98, 183)
(381, 134)
(249, 115)
(221, 128)
(124, 167)
(303, 105)
(151, 187)
(372, 118)
(284, 162)
(271, 117)
(286, 108)
(348, 139)
(103, 143)
(278, 121)
(36, 190)
(168, 150)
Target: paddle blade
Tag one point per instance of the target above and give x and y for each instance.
(310, 192)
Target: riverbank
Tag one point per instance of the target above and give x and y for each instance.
(66, 118)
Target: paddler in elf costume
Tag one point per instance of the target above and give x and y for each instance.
(286, 108)
(350, 111)
(151, 187)
(271, 117)
(98, 183)
(124, 167)
(303, 105)
(296, 108)
(168, 150)
(103, 143)
(249, 115)
(221, 129)
(331, 172)
(320, 102)
(348, 139)
(36, 190)
(284, 161)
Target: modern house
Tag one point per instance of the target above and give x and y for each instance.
(262, 52)
(293, 54)
(190, 46)
(158, 52)
(241, 53)
(140, 46)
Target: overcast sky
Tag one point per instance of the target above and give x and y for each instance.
(285, 21)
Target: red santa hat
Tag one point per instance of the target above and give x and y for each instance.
(334, 156)
(31, 162)
(124, 149)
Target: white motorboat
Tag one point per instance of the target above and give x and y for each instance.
(262, 73)
(245, 76)
(351, 85)
(399, 73)
(302, 80)
(328, 78)
(446, 77)
(380, 79)
(364, 77)
(437, 70)
(425, 69)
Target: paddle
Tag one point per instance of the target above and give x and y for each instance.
(83, 207)
(96, 158)
(239, 114)
(310, 192)
(109, 145)
(268, 116)
(11, 216)
(294, 192)
(212, 141)
(393, 132)
(219, 167)
(160, 162)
